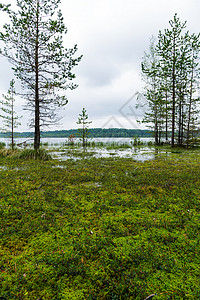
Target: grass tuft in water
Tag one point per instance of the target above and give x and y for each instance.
(40, 154)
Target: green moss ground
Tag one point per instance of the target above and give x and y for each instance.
(100, 228)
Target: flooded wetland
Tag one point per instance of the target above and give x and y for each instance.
(113, 221)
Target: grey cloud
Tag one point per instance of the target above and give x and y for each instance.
(98, 72)
(6, 74)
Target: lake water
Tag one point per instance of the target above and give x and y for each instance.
(57, 142)
(61, 151)
(61, 141)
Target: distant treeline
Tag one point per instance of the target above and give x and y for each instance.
(94, 133)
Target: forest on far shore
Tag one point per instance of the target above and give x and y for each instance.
(93, 133)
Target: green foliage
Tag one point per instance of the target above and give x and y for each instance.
(100, 228)
(171, 74)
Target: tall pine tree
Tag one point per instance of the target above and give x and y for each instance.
(34, 46)
(153, 94)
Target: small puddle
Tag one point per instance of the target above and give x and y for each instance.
(4, 168)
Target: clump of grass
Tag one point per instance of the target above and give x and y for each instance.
(2, 145)
(45, 144)
(40, 154)
(150, 143)
(117, 146)
(7, 152)
(177, 151)
(98, 144)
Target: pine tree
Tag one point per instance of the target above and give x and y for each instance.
(9, 118)
(171, 71)
(83, 131)
(169, 49)
(34, 46)
(153, 95)
(192, 112)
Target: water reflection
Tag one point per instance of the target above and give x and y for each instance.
(136, 153)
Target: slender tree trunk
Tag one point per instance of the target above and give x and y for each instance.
(179, 122)
(37, 101)
(173, 94)
(156, 126)
(166, 118)
(190, 108)
(160, 134)
(182, 126)
(83, 134)
(156, 133)
(12, 122)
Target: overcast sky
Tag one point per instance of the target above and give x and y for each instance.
(112, 36)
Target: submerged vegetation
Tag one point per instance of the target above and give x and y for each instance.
(100, 228)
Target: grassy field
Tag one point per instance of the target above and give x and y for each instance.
(100, 228)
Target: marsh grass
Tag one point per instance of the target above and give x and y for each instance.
(8, 153)
(100, 228)
(116, 146)
(40, 154)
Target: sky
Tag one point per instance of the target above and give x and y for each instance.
(112, 36)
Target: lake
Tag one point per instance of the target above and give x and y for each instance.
(61, 141)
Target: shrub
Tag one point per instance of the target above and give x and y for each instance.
(150, 143)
